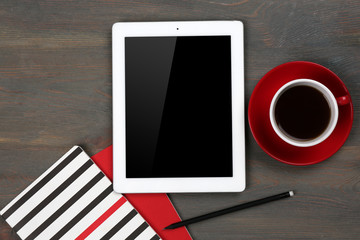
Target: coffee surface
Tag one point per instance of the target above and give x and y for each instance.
(302, 112)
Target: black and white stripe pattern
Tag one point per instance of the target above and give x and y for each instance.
(68, 198)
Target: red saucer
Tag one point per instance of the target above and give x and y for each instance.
(259, 120)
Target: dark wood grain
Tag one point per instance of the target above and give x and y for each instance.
(55, 92)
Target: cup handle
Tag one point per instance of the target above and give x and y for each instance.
(341, 101)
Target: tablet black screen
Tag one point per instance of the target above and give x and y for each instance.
(178, 106)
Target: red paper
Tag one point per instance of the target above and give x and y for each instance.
(155, 208)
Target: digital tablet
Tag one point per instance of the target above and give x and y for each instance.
(178, 107)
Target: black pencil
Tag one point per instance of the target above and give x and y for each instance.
(230, 210)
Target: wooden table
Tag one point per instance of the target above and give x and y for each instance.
(55, 92)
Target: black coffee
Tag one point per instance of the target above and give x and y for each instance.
(302, 112)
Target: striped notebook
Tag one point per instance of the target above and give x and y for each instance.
(73, 199)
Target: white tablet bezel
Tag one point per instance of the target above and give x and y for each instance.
(167, 185)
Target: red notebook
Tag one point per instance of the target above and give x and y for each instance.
(155, 208)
